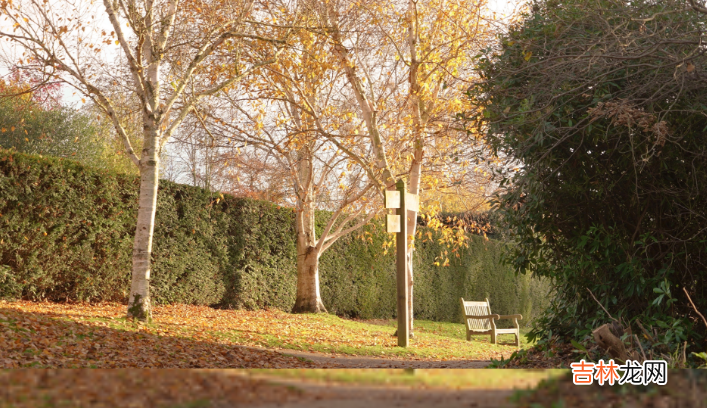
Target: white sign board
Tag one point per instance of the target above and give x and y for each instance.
(392, 223)
(392, 199)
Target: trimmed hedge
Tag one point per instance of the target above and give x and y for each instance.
(66, 234)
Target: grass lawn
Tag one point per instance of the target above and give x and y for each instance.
(331, 334)
(62, 328)
(457, 331)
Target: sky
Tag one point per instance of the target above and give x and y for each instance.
(502, 6)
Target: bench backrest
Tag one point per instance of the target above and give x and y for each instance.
(477, 309)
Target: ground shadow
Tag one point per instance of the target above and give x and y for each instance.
(44, 340)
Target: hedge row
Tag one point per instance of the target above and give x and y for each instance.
(66, 234)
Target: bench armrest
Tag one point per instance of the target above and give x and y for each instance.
(513, 316)
(493, 316)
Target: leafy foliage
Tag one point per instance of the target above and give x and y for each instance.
(605, 131)
(30, 126)
(67, 235)
(63, 228)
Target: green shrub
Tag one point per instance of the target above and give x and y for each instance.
(62, 131)
(66, 234)
(608, 197)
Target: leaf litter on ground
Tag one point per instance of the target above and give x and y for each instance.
(52, 335)
(72, 335)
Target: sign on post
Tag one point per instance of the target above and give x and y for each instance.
(392, 223)
(392, 199)
(397, 223)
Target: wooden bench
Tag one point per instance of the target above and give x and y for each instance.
(479, 320)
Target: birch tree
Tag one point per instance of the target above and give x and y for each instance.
(177, 53)
(407, 66)
(280, 120)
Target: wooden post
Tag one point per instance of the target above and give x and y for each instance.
(401, 266)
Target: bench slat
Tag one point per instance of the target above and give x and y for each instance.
(506, 331)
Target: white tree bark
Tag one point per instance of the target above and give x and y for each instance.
(367, 107)
(139, 305)
(308, 297)
(416, 165)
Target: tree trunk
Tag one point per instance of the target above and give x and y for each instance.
(139, 302)
(413, 188)
(610, 342)
(308, 297)
(417, 122)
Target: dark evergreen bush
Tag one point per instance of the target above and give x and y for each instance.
(66, 234)
(600, 107)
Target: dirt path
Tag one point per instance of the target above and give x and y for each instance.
(324, 395)
(345, 361)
